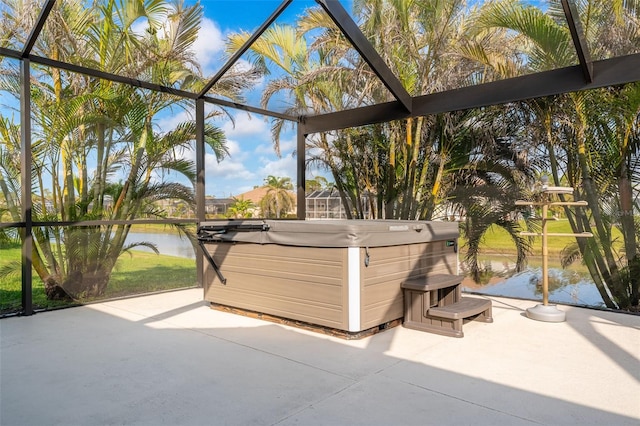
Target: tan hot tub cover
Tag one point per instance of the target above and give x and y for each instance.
(328, 233)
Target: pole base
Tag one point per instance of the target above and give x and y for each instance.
(546, 313)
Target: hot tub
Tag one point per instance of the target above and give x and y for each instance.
(341, 274)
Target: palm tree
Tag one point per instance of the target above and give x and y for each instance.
(318, 183)
(303, 80)
(279, 200)
(589, 138)
(428, 45)
(78, 118)
(240, 208)
(488, 173)
(405, 164)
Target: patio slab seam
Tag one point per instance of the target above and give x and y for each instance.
(314, 403)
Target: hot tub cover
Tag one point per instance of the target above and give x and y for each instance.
(327, 233)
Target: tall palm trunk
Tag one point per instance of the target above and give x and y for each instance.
(625, 195)
(98, 183)
(545, 111)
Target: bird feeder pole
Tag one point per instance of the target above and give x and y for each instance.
(546, 312)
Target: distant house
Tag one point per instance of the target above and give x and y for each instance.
(217, 206)
(175, 208)
(107, 204)
(327, 204)
(256, 195)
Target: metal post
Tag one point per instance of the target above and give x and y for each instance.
(301, 204)
(25, 171)
(200, 183)
(579, 40)
(545, 256)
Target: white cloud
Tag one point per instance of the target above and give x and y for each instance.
(231, 168)
(171, 120)
(286, 145)
(227, 169)
(265, 148)
(241, 65)
(140, 26)
(208, 46)
(246, 125)
(229, 177)
(235, 151)
(282, 167)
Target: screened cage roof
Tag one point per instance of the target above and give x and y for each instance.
(580, 60)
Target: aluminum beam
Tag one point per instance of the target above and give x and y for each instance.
(200, 160)
(248, 108)
(25, 189)
(91, 72)
(579, 41)
(245, 47)
(200, 182)
(4, 225)
(609, 72)
(10, 53)
(358, 40)
(37, 28)
(150, 86)
(301, 173)
(362, 116)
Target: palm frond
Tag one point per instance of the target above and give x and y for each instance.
(570, 254)
(551, 45)
(128, 247)
(181, 166)
(184, 24)
(168, 190)
(11, 269)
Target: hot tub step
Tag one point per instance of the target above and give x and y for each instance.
(465, 308)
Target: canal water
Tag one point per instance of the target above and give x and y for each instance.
(567, 286)
(167, 244)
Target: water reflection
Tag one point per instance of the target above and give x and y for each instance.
(567, 286)
(167, 244)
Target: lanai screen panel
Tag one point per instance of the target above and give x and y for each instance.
(437, 46)
(10, 194)
(17, 20)
(302, 64)
(610, 31)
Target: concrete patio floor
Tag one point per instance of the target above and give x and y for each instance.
(169, 359)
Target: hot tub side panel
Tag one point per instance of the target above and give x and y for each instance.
(301, 283)
(382, 298)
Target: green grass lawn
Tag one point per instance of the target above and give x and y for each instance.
(136, 274)
(497, 240)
